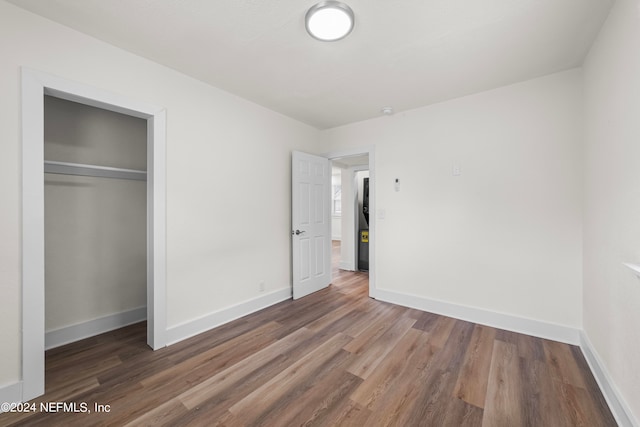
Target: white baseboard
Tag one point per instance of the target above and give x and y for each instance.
(508, 322)
(80, 331)
(226, 315)
(348, 266)
(10, 393)
(617, 404)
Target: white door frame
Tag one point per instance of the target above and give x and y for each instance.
(370, 150)
(35, 85)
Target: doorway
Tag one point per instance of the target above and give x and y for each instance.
(347, 245)
(35, 85)
(311, 220)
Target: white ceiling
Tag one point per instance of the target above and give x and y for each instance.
(345, 162)
(401, 53)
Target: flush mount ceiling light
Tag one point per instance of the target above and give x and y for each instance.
(329, 21)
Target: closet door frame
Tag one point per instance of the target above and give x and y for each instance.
(35, 85)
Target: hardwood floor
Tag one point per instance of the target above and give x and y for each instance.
(335, 357)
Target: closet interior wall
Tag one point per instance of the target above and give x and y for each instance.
(95, 227)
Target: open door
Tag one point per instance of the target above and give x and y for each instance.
(310, 223)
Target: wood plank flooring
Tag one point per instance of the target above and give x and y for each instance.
(333, 358)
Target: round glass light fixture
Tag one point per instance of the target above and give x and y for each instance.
(329, 21)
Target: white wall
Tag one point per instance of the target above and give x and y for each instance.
(95, 228)
(347, 248)
(503, 236)
(612, 199)
(336, 220)
(336, 227)
(228, 171)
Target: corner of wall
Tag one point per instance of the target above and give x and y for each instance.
(536, 328)
(619, 407)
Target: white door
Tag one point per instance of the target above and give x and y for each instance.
(310, 223)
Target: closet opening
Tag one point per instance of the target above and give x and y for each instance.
(95, 204)
(87, 221)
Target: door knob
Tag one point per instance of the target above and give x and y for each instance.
(297, 232)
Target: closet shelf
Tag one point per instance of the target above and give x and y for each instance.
(64, 168)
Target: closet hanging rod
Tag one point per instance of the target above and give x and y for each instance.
(64, 168)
